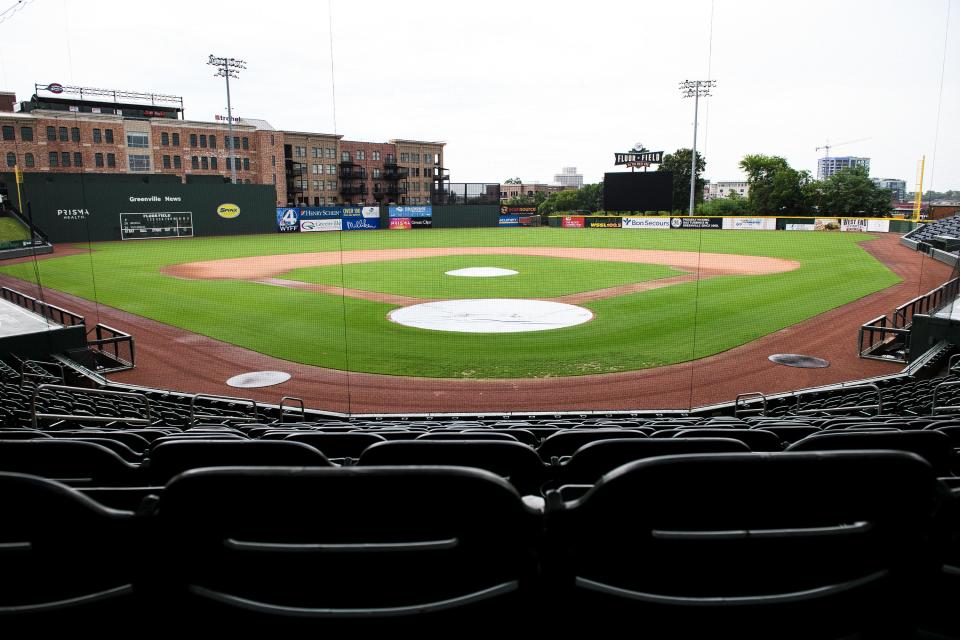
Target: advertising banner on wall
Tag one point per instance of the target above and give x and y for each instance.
(696, 223)
(360, 223)
(826, 224)
(410, 211)
(853, 224)
(800, 227)
(421, 223)
(288, 220)
(878, 226)
(399, 223)
(530, 221)
(315, 213)
(635, 222)
(519, 211)
(609, 222)
(370, 212)
(750, 224)
(508, 220)
(572, 222)
(322, 224)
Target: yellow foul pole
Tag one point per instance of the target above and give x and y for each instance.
(918, 198)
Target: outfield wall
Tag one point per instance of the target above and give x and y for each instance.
(88, 207)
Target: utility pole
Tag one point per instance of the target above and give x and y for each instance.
(228, 68)
(694, 89)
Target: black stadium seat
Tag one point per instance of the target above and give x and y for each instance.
(360, 545)
(752, 540)
(65, 557)
(170, 458)
(564, 443)
(70, 461)
(592, 460)
(756, 439)
(932, 446)
(336, 444)
(508, 459)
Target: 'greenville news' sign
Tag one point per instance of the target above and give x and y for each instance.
(645, 157)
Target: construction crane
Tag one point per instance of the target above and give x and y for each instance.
(828, 146)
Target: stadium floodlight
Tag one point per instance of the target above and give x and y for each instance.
(228, 68)
(694, 89)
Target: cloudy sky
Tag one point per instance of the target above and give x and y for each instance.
(524, 88)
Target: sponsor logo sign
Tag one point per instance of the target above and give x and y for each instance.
(228, 211)
(638, 158)
(826, 224)
(509, 221)
(73, 214)
(359, 223)
(633, 222)
(399, 223)
(410, 211)
(421, 223)
(604, 223)
(321, 225)
(753, 224)
(800, 227)
(288, 220)
(313, 213)
(530, 221)
(696, 223)
(505, 210)
(370, 212)
(572, 222)
(881, 226)
(853, 224)
(56, 87)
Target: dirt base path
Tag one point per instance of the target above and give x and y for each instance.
(171, 358)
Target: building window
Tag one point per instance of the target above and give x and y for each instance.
(204, 163)
(426, 185)
(203, 141)
(273, 161)
(77, 159)
(11, 159)
(391, 159)
(98, 159)
(361, 154)
(195, 162)
(229, 163)
(271, 140)
(137, 140)
(236, 143)
(236, 163)
(300, 152)
(55, 159)
(139, 162)
(75, 134)
(246, 142)
(97, 138)
(9, 132)
(65, 159)
(108, 136)
(213, 142)
(274, 175)
(345, 156)
(331, 169)
(315, 151)
(63, 134)
(376, 155)
(28, 159)
(213, 162)
(330, 153)
(405, 157)
(165, 139)
(331, 185)
(316, 185)
(316, 201)
(26, 134)
(246, 164)
(317, 168)
(166, 162)
(193, 140)
(376, 187)
(177, 163)
(111, 158)
(376, 172)
(176, 139)
(51, 133)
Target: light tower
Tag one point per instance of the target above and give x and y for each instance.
(694, 89)
(228, 68)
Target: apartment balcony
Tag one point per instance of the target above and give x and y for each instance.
(393, 172)
(352, 172)
(351, 190)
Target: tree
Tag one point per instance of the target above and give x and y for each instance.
(678, 163)
(733, 205)
(587, 198)
(513, 181)
(775, 187)
(851, 192)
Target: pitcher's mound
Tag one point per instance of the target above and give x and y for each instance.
(491, 315)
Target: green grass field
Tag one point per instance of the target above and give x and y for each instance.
(628, 332)
(11, 229)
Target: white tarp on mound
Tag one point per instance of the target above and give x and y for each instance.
(481, 272)
(491, 315)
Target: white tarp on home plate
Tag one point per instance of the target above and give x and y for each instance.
(491, 315)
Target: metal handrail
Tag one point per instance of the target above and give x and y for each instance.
(102, 392)
(749, 394)
(933, 405)
(878, 406)
(25, 374)
(303, 408)
(194, 415)
(950, 362)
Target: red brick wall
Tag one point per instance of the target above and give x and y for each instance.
(369, 164)
(40, 147)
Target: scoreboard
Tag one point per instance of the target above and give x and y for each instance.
(159, 224)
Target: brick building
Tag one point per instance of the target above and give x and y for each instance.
(54, 134)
